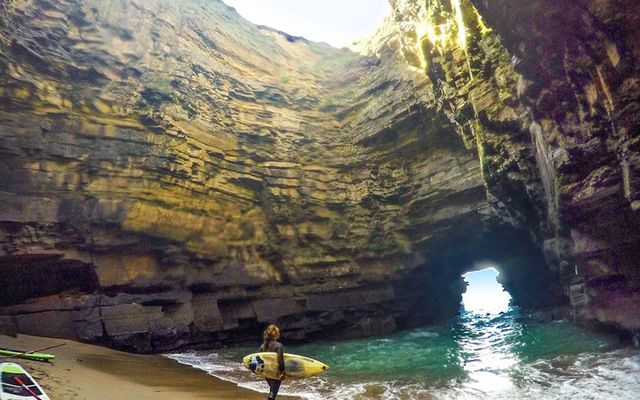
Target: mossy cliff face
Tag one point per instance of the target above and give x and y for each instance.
(176, 175)
(548, 93)
(199, 177)
(580, 86)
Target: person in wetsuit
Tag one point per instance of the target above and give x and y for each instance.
(270, 344)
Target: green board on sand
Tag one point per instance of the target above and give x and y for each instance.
(28, 356)
(17, 384)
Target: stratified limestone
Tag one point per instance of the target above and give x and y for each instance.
(176, 175)
(201, 177)
(548, 92)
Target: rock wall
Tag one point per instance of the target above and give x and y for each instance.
(201, 177)
(581, 85)
(176, 175)
(548, 91)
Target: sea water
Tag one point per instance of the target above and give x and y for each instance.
(477, 355)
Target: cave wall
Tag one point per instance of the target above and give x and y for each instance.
(217, 177)
(203, 176)
(548, 92)
(581, 89)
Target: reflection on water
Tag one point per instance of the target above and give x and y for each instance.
(486, 344)
(477, 355)
(487, 351)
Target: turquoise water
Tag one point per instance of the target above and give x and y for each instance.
(491, 350)
(503, 356)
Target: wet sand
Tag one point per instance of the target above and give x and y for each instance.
(85, 372)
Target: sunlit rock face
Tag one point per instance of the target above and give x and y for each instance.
(199, 177)
(548, 92)
(176, 175)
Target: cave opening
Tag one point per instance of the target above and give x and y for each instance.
(31, 276)
(483, 292)
(513, 272)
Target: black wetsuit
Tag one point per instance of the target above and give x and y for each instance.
(275, 347)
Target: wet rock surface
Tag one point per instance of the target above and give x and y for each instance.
(177, 176)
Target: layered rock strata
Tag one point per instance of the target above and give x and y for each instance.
(187, 177)
(548, 92)
(176, 175)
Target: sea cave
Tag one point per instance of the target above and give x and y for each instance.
(177, 177)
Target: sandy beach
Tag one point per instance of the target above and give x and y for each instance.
(86, 372)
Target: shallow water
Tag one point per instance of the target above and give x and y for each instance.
(474, 356)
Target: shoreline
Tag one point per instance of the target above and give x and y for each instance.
(88, 372)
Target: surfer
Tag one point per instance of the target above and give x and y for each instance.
(270, 344)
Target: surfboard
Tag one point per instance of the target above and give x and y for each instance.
(295, 366)
(29, 356)
(11, 375)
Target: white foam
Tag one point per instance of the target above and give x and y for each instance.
(611, 375)
(422, 334)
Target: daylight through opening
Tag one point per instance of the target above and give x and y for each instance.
(484, 293)
(336, 22)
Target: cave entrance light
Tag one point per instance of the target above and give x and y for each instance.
(336, 22)
(484, 293)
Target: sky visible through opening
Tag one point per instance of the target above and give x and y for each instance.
(484, 294)
(337, 22)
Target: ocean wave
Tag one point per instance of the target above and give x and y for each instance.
(610, 375)
(422, 334)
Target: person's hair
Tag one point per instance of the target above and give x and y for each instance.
(271, 333)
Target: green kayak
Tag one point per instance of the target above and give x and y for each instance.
(29, 356)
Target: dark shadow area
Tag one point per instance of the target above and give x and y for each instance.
(435, 292)
(30, 276)
(523, 270)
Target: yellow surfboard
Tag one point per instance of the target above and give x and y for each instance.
(295, 367)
